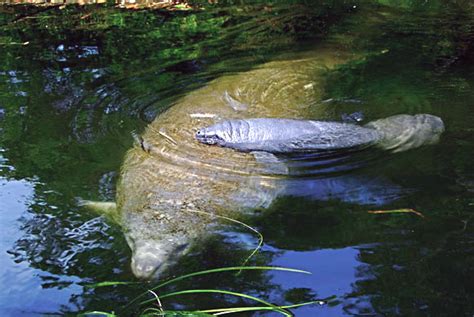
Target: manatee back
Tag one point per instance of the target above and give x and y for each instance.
(403, 132)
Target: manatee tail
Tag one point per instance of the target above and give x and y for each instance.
(404, 132)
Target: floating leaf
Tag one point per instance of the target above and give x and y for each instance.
(396, 211)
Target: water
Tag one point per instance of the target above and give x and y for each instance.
(70, 98)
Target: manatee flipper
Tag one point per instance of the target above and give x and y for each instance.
(139, 141)
(233, 103)
(100, 207)
(272, 164)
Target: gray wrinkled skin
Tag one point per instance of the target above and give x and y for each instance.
(397, 133)
(286, 135)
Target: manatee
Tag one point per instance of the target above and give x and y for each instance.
(173, 191)
(275, 135)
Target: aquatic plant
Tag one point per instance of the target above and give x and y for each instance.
(160, 310)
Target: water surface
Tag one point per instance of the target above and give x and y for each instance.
(71, 96)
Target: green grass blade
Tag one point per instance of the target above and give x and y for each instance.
(232, 310)
(109, 283)
(182, 313)
(260, 236)
(231, 268)
(201, 291)
(98, 313)
(218, 270)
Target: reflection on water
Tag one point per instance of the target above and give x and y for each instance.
(70, 100)
(334, 272)
(356, 189)
(19, 296)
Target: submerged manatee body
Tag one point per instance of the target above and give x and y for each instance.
(172, 190)
(275, 135)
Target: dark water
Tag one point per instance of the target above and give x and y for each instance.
(75, 83)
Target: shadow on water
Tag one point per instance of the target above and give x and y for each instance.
(87, 77)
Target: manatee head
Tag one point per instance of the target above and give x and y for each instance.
(157, 241)
(213, 135)
(151, 258)
(224, 133)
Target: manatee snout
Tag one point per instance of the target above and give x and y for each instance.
(145, 263)
(201, 136)
(150, 259)
(209, 136)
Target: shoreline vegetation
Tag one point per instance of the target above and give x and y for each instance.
(172, 5)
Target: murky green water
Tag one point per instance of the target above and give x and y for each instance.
(75, 83)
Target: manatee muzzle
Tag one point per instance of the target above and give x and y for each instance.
(208, 136)
(151, 258)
